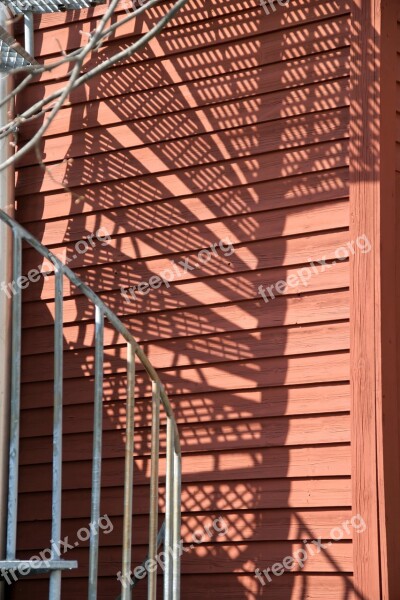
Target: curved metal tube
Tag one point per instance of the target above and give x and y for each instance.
(112, 317)
(173, 450)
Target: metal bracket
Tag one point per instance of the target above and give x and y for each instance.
(24, 568)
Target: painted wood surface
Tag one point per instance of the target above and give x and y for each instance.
(231, 125)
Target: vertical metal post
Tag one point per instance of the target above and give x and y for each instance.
(55, 576)
(97, 447)
(7, 205)
(128, 483)
(15, 400)
(169, 533)
(153, 527)
(176, 585)
(29, 33)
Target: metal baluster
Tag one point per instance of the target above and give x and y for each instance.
(168, 540)
(176, 585)
(128, 484)
(29, 33)
(153, 527)
(55, 576)
(15, 400)
(97, 446)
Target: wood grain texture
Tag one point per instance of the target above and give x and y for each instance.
(227, 558)
(185, 240)
(278, 192)
(263, 433)
(225, 586)
(176, 93)
(233, 19)
(50, 221)
(263, 262)
(262, 526)
(202, 321)
(181, 353)
(260, 463)
(272, 372)
(388, 325)
(186, 153)
(211, 60)
(197, 12)
(235, 114)
(228, 112)
(248, 404)
(364, 208)
(216, 496)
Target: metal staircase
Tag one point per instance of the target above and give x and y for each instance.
(170, 530)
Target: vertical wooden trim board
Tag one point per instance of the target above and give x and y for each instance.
(364, 205)
(389, 324)
(373, 318)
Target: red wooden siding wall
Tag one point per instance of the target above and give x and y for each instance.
(230, 124)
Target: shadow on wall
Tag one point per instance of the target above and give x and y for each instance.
(230, 125)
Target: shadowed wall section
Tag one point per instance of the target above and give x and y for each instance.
(232, 124)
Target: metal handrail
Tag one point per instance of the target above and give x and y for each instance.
(159, 395)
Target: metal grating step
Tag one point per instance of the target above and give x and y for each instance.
(12, 54)
(48, 6)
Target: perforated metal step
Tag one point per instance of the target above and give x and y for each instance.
(48, 6)
(12, 54)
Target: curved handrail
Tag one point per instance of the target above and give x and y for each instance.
(173, 450)
(111, 316)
